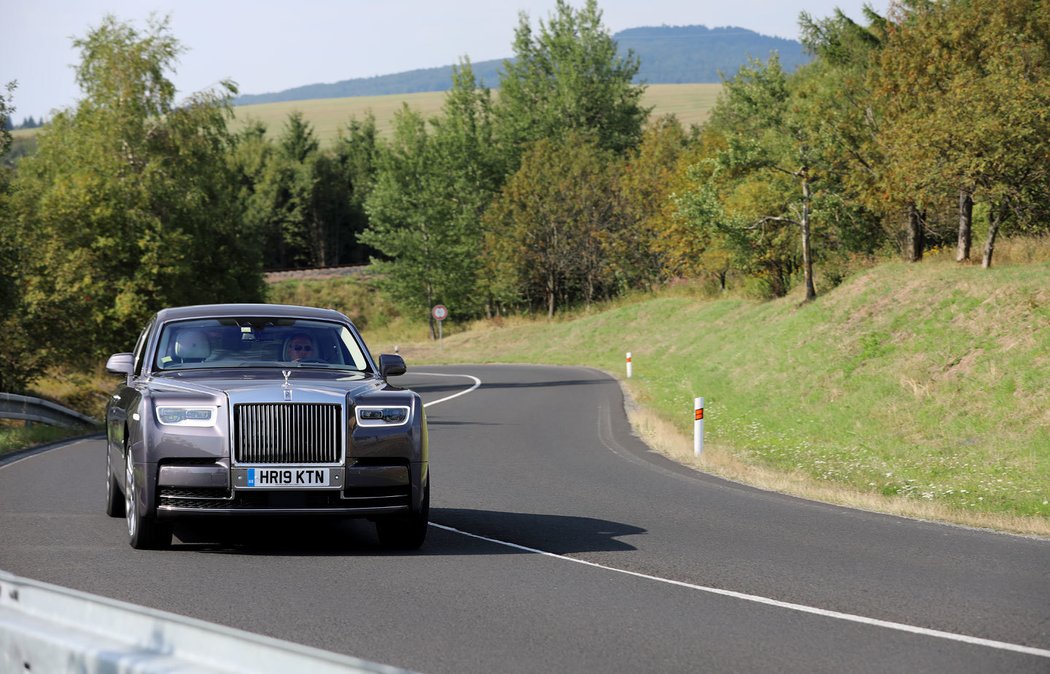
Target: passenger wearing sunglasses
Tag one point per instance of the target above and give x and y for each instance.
(300, 347)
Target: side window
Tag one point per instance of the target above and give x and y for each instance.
(140, 348)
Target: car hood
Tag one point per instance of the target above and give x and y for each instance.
(250, 383)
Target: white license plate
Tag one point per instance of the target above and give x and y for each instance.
(300, 478)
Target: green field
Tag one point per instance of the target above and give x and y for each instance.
(918, 389)
(691, 103)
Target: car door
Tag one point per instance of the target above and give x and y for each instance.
(126, 399)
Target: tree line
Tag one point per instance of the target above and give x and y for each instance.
(27, 123)
(906, 131)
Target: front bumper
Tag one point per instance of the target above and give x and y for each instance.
(358, 490)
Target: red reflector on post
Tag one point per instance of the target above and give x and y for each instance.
(700, 414)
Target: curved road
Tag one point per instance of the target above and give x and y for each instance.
(647, 566)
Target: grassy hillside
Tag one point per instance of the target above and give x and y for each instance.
(920, 389)
(690, 102)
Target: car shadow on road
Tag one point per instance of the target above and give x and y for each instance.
(295, 537)
(560, 534)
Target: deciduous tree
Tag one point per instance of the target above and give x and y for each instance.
(129, 204)
(966, 86)
(549, 224)
(770, 161)
(18, 361)
(566, 79)
(430, 191)
(646, 184)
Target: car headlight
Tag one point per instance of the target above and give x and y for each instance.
(200, 417)
(387, 415)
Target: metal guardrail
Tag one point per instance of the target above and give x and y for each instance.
(26, 408)
(317, 273)
(46, 628)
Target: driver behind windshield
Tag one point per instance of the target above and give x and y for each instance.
(300, 347)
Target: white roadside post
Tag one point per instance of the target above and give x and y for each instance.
(698, 426)
(628, 364)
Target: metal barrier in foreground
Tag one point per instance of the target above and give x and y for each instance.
(46, 628)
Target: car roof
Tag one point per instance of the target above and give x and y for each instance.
(249, 311)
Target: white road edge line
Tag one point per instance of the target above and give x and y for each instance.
(950, 636)
(477, 383)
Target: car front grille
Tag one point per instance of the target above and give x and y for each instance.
(287, 433)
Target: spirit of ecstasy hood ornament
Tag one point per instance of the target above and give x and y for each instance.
(287, 386)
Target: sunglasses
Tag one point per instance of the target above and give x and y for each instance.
(303, 347)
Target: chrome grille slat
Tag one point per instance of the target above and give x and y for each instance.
(287, 433)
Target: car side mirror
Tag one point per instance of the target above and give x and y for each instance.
(391, 365)
(121, 363)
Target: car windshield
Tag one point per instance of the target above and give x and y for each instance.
(258, 342)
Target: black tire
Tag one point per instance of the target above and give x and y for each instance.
(406, 532)
(144, 531)
(114, 497)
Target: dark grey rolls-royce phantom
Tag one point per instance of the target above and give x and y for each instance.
(260, 409)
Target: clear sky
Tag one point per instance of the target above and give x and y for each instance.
(268, 45)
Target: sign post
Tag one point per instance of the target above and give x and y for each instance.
(440, 313)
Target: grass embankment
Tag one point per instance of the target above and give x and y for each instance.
(355, 296)
(917, 389)
(17, 436)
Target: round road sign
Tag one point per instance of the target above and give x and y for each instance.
(439, 312)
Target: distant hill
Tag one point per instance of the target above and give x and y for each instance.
(696, 54)
(668, 54)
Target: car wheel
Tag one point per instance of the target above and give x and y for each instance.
(406, 532)
(144, 532)
(114, 499)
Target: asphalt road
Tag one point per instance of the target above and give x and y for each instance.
(650, 567)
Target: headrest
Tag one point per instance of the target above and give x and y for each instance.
(192, 344)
